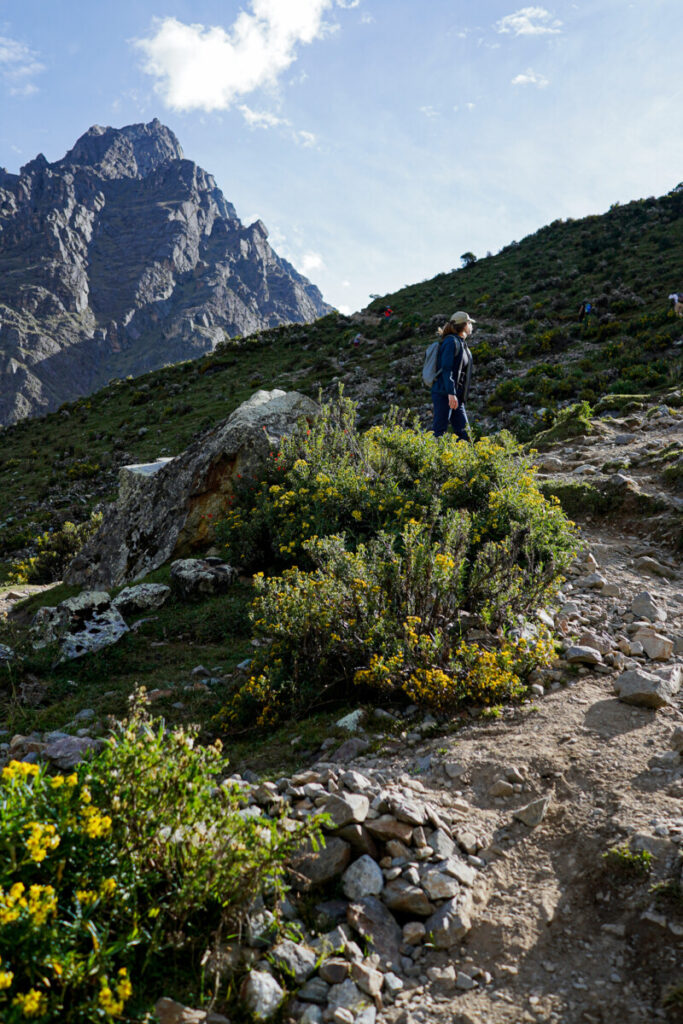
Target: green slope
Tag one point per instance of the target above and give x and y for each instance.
(532, 357)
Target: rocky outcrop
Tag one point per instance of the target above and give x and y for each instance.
(163, 508)
(121, 257)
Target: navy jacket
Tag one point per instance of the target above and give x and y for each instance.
(452, 377)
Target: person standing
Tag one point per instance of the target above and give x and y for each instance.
(453, 374)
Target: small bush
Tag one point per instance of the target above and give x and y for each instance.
(128, 865)
(54, 552)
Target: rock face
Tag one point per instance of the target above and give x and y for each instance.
(162, 513)
(121, 257)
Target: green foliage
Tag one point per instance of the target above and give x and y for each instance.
(128, 865)
(54, 552)
(389, 539)
(625, 864)
(572, 421)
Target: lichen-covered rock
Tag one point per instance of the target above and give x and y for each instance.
(81, 625)
(143, 597)
(194, 578)
(164, 514)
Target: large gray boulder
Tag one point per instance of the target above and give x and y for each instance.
(163, 510)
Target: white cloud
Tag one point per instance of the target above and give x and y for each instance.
(264, 119)
(18, 66)
(530, 77)
(429, 112)
(529, 21)
(311, 261)
(260, 118)
(307, 139)
(208, 68)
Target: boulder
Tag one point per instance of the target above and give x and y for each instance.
(648, 689)
(262, 994)
(579, 655)
(195, 578)
(65, 752)
(51, 624)
(451, 922)
(533, 814)
(644, 606)
(405, 898)
(317, 867)
(165, 512)
(656, 646)
(371, 919)
(363, 878)
(346, 808)
(141, 598)
(296, 960)
(81, 624)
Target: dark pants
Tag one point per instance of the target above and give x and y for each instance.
(445, 417)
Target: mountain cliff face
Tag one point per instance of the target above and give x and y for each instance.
(120, 258)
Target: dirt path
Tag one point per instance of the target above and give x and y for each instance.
(557, 934)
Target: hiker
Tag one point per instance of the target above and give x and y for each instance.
(677, 303)
(454, 371)
(585, 310)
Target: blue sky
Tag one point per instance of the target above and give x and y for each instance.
(377, 139)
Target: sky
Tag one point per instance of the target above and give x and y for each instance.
(378, 140)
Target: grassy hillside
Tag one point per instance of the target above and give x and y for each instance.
(532, 357)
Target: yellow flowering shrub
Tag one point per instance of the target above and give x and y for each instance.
(105, 872)
(383, 545)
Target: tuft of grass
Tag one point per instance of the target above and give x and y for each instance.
(625, 864)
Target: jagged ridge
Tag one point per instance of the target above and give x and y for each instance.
(121, 257)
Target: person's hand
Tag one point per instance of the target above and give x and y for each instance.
(452, 402)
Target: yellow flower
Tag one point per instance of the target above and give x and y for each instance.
(32, 1004)
(357, 515)
(19, 770)
(86, 896)
(6, 979)
(57, 782)
(42, 839)
(72, 780)
(108, 887)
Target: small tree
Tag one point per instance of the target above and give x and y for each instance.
(468, 259)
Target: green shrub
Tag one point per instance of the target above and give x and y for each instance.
(572, 421)
(54, 552)
(386, 619)
(385, 536)
(117, 874)
(624, 863)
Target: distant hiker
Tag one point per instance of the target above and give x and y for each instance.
(454, 372)
(678, 303)
(357, 340)
(585, 310)
(387, 312)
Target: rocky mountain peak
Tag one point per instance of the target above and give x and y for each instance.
(131, 152)
(121, 257)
